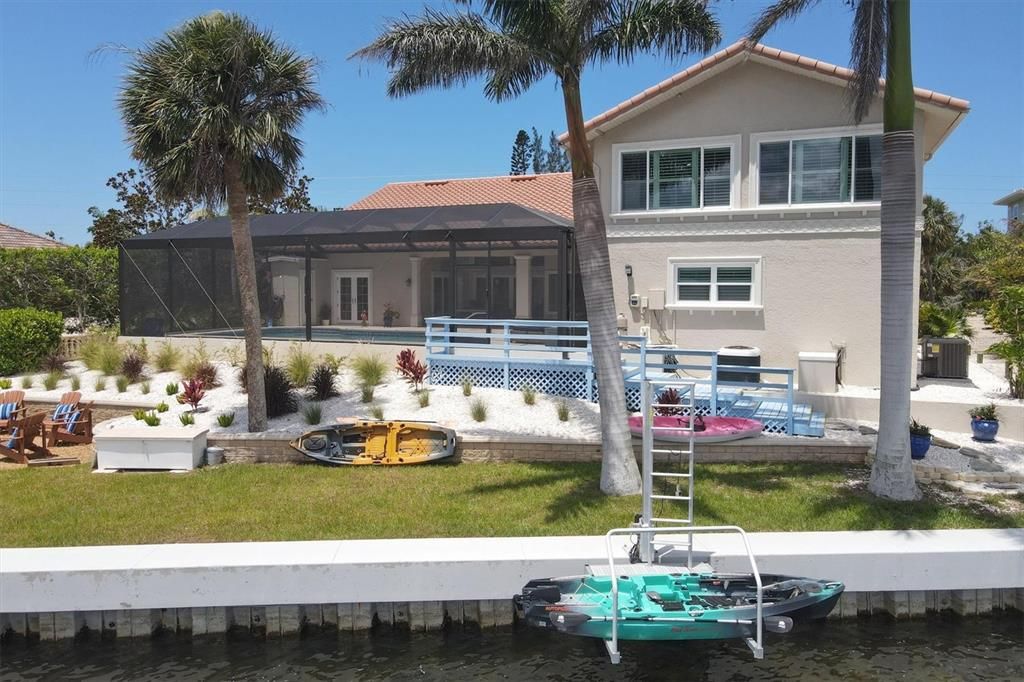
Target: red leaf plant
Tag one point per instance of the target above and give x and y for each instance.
(411, 369)
(193, 392)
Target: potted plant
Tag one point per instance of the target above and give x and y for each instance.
(920, 439)
(984, 422)
(390, 315)
(364, 317)
(325, 314)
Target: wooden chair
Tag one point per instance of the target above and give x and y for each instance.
(68, 404)
(16, 398)
(71, 427)
(21, 441)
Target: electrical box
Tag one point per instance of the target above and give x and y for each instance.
(644, 302)
(634, 300)
(656, 299)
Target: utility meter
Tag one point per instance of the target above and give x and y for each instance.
(634, 300)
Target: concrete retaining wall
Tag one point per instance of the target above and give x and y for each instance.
(278, 588)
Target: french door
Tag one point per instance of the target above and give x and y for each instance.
(353, 296)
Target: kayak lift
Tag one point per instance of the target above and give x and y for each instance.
(648, 525)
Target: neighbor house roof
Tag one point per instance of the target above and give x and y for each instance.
(548, 192)
(735, 54)
(1011, 198)
(15, 238)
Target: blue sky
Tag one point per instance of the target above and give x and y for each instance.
(60, 136)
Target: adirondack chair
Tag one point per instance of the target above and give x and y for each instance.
(21, 440)
(73, 427)
(68, 404)
(12, 408)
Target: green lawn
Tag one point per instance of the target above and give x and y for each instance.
(72, 506)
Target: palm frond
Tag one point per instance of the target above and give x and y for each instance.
(868, 42)
(782, 10)
(673, 27)
(441, 50)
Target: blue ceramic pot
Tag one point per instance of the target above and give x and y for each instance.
(919, 446)
(984, 429)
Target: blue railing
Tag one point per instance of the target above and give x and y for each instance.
(554, 356)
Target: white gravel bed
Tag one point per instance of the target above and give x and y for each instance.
(1007, 453)
(982, 386)
(133, 394)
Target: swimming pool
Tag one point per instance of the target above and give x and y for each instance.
(336, 334)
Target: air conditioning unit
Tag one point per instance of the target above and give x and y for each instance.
(945, 358)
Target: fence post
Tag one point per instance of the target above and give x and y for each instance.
(714, 384)
(590, 368)
(507, 350)
(789, 402)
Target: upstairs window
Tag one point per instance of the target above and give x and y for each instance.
(685, 178)
(820, 170)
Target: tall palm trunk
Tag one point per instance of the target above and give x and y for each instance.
(619, 473)
(245, 263)
(891, 474)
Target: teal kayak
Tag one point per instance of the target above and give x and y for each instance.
(674, 606)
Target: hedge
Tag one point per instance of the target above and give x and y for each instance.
(76, 281)
(27, 335)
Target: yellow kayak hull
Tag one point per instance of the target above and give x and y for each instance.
(377, 443)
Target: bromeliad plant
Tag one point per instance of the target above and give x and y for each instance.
(411, 369)
(193, 391)
(665, 399)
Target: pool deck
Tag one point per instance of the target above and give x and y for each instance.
(57, 591)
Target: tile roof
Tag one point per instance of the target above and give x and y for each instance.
(15, 238)
(770, 53)
(549, 192)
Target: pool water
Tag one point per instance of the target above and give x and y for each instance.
(338, 334)
(935, 649)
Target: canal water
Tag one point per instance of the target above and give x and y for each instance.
(934, 650)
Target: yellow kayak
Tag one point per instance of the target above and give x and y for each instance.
(368, 442)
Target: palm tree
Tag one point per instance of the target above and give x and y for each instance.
(513, 44)
(211, 108)
(881, 35)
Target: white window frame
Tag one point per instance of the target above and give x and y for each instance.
(733, 142)
(810, 134)
(754, 262)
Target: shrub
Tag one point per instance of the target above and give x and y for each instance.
(919, 429)
(669, 396)
(299, 365)
(312, 413)
(76, 383)
(333, 361)
(152, 420)
(205, 372)
(370, 369)
(167, 357)
(101, 384)
(187, 419)
(377, 412)
(94, 345)
(467, 386)
(1006, 315)
(78, 282)
(26, 381)
(225, 420)
(51, 379)
(234, 355)
(145, 388)
(109, 359)
(193, 392)
(132, 365)
(171, 389)
(985, 412)
(162, 407)
(424, 398)
(139, 348)
(321, 385)
(529, 395)
(54, 362)
(563, 410)
(139, 415)
(5, 384)
(366, 394)
(122, 384)
(478, 410)
(280, 392)
(940, 321)
(29, 335)
(411, 369)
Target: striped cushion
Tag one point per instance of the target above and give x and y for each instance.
(72, 420)
(14, 439)
(61, 410)
(7, 409)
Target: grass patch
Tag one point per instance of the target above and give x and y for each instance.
(167, 357)
(369, 369)
(478, 410)
(256, 502)
(51, 379)
(312, 413)
(562, 408)
(26, 381)
(529, 394)
(299, 365)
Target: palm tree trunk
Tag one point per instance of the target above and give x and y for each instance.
(245, 264)
(619, 472)
(891, 474)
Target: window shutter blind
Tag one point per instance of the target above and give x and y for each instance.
(634, 181)
(868, 164)
(717, 177)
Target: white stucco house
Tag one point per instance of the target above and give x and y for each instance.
(1014, 203)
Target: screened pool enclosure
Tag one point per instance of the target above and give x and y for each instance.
(320, 274)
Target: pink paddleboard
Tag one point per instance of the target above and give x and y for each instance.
(716, 429)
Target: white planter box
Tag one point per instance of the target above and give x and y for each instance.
(151, 447)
